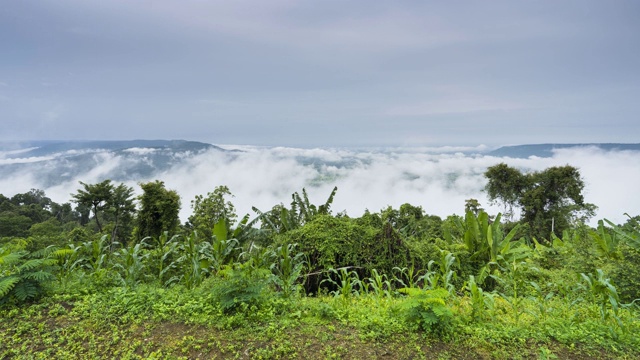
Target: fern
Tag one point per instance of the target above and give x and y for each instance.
(427, 309)
(39, 276)
(7, 284)
(23, 275)
(241, 287)
(26, 290)
(7, 257)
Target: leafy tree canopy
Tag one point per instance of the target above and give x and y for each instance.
(96, 197)
(208, 211)
(549, 200)
(159, 209)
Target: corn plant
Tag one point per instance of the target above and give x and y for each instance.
(378, 284)
(256, 256)
(164, 253)
(131, 264)
(440, 272)
(70, 260)
(511, 277)
(348, 283)
(195, 261)
(541, 299)
(603, 293)
(96, 253)
(287, 269)
(480, 301)
(407, 277)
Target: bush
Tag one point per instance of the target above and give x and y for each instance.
(427, 309)
(332, 242)
(241, 287)
(23, 275)
(625, 273)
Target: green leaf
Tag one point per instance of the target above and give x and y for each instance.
(7, 284)
(220, 229)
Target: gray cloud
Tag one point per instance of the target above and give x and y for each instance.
(302, 73)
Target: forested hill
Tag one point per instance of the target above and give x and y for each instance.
(54, 162)
(546, 150)
(49, 147)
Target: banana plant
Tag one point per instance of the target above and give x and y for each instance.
(222, 247)
(281, 219)
(606, 241)
(489, 246)
(631, 237)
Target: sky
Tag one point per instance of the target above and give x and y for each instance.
(321, 73)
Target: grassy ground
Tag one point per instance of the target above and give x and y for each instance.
(90, 327)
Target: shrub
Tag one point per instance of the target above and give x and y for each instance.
(23, 275)
(332, 242)
(625, 273)
(241, 287)
(427, 309)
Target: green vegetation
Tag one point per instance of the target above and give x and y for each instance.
(109, 278)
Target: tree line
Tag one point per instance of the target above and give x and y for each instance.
(549, 203)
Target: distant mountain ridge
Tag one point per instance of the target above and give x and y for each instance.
(44, 148)
(546, 150)
(54, 162)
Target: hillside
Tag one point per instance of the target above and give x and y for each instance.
(54, 162)
(547, 150)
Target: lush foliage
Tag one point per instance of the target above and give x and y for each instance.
(288, 282)
(549, 200)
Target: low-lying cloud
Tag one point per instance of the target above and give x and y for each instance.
(440, 182)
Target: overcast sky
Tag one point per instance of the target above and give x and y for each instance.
(321, 73)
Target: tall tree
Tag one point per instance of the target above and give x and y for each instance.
(121, 209)
(159, 209)
(96, 197)
(208, 211)
(506, 186)
(549, 200)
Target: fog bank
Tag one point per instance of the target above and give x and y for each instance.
(439, 180)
